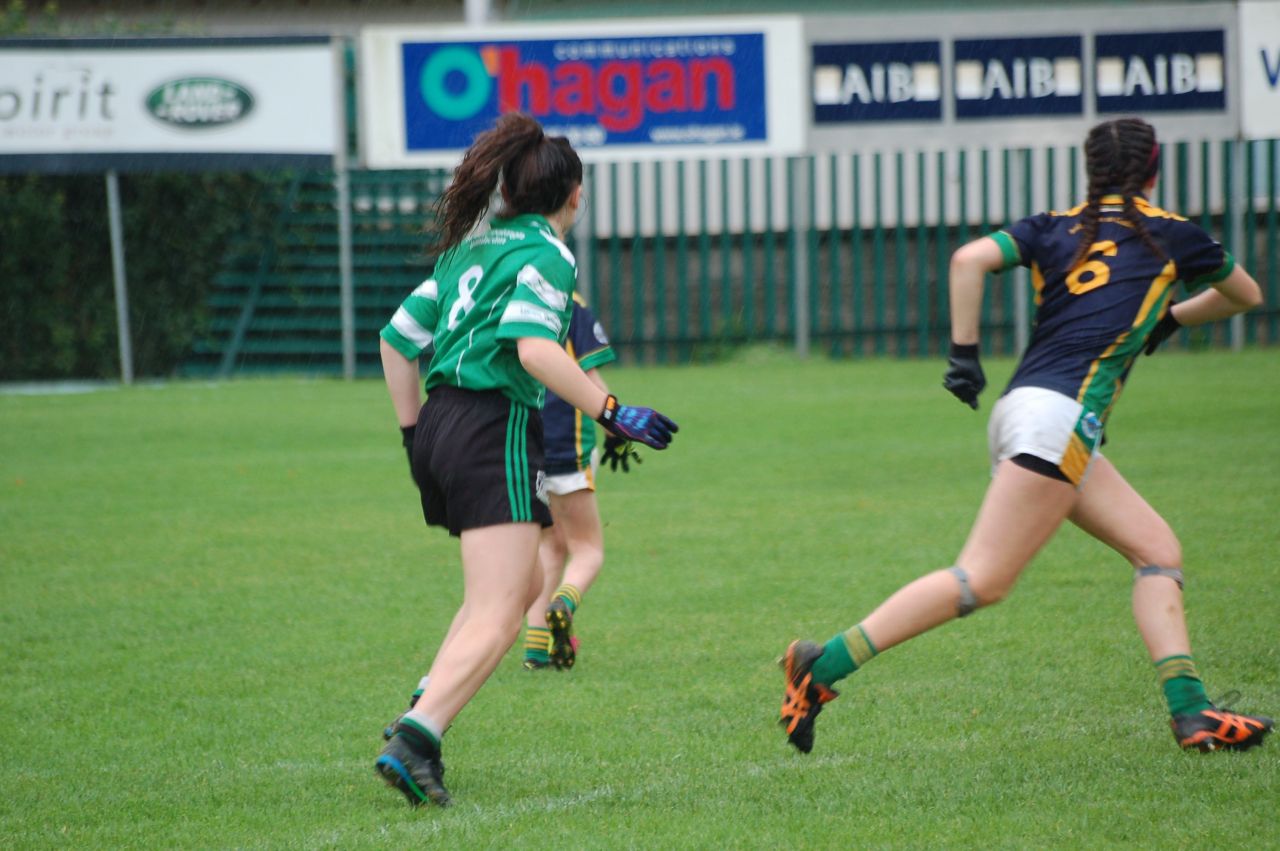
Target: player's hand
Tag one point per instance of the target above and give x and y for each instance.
(1164, 330)
(632, 422)
(618, 452)
(964, 378)
(406, 438)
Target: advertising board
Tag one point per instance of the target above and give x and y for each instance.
(644, 88)
(88, 105)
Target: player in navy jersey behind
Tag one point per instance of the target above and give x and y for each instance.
(495, 313)
(1104, 274)
(571, 552)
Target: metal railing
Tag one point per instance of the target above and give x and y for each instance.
(848, 253)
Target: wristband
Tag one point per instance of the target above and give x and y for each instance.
(610, 412)
(968, 350)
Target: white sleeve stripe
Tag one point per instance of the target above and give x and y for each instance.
(411, 329)
(427, 289)
(521, 312)
(546, 293)
(562, 248)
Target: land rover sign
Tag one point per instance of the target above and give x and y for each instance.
(199, 102)
(69, 105)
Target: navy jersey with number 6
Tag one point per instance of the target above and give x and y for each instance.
(1093, 319)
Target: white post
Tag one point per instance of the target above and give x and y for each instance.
(117, 269)
(1022, 289)
(1241, 207)
(342, 187)
(800, 265)
(477, 12)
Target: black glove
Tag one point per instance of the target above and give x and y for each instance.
(1164, 330)
(619, 452)
(406, 438)
(964, 378)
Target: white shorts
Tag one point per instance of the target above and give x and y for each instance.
(1048, 425)
(582, 480)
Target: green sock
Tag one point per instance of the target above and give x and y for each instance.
(537, 639)
(1182, 687)
(571, 595)
(843, 654)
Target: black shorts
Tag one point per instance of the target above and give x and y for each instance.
(477, 459)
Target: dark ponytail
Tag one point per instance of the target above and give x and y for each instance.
(1120, 157)
(538, 174)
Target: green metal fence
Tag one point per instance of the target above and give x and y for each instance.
(838, 254)
(858, 266)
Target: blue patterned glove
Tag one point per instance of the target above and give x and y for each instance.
(632, 422)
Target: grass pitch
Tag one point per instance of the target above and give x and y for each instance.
(212, 597)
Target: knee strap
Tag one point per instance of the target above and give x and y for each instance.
(1173, 573)
(968, 601)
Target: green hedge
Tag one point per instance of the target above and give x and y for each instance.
(57, 300)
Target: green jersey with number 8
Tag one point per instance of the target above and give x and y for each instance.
(514, 280)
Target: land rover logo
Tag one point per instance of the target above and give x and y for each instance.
(198, 102)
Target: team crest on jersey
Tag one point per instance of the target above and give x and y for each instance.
(1090, 425)
(598, 330)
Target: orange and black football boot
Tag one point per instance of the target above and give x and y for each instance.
(803, 698)
(1219, 729)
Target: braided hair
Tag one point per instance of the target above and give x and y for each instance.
(1121, 156)
(538, 174)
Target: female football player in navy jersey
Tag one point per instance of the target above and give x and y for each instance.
(1104, 274)
(494, 314)
(572, 550)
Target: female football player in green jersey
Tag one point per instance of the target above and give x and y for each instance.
(1104, 274)
(495, 311)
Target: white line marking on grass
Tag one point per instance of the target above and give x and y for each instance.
(55, 388)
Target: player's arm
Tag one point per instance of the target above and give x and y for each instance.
(401, 342)
(1231, 290)
(970, 265)
(597, 380)
(554, 367)
(1234, 294)
(546, 361)
(401, 374)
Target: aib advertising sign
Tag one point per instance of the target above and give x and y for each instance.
(603, 91)
(1161, 71)
(1006, 77)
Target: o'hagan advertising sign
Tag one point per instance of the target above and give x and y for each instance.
(644, 89)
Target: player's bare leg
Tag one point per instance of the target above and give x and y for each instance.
(1020, 512)
(551, 555)
(1113, 512)
(1110, 510)
(581, 538)
(498, 564)
(578, 515)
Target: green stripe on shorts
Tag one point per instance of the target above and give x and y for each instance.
(517, 461)
(522, 463)
(507, 458)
